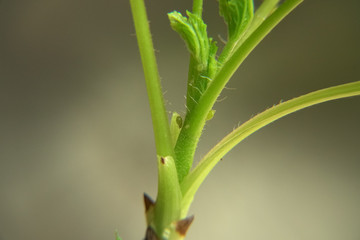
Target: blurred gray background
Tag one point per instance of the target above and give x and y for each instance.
(76, 144)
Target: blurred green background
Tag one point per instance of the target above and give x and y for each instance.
(76, 144)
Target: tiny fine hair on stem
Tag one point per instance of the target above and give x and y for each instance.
(176, 137)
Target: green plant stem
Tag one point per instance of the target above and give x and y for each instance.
(157, 107)
(194, 123)
(168, 203)
(197, 7)
(192, 181)
(181, 165)
(261, 14)
(167, 206)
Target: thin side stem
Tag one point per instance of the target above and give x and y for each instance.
(261, 14)
(192, 181)
(157, 107)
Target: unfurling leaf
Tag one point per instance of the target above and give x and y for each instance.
(237, 15)
(193, 31)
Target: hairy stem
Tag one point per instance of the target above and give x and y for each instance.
(194, 122)
(157, 107)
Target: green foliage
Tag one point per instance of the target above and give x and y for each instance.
(237, 15)
(176, 141)
(192, 30)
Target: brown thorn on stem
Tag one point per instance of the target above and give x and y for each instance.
(183, 225)
(148, 202)
(150, 234)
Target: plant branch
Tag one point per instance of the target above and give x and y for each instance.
(192, 182)
(194, 122)
(158, 112)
